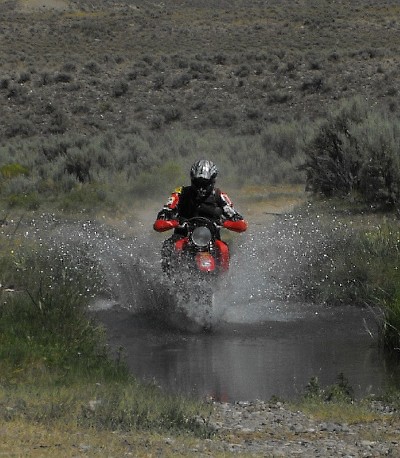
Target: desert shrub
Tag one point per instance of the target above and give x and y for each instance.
(20, 128)
(158, 82)
(224, 118)
(62, 77)
(121, 163)
(68, 67)
(220, 59)
(17, 93)
(18, 187)
(47, 319)
(276, 155)
(316, 84)
(315, 63)
(171, 114)
(120, 88)
(200, 67)
(78, 163)
(44, 79)
(59, 122)
(181, 81)
(242, 71)
(24, 77)
(278, 96)
(140, 69)
(52, 149)
(340, 274)
(72, 87)
(20, 184)
(4, 83)
(285, 139)
(159, 65)
(92, 68)
(355, 265)
(156, 122)
(356, 152)
(253, 113)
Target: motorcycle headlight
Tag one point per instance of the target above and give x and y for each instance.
(201, 236)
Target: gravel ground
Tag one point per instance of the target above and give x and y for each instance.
(273, 430)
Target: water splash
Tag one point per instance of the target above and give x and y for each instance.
(259, 287)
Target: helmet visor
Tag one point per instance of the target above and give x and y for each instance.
(203, 186)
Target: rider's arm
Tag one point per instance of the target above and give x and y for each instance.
(167, 217)
(232, 220)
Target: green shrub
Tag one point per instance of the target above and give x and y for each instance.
(30, 201)
(45, 318)
(358, 267)
(356, 153)
(13, 170)
(84, 197)
(391, 324)
(341, 391)
(54, 363)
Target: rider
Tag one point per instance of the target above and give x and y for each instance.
(200, 199)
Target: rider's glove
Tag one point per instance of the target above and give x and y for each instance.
(183, 223)
(218, 224)
(236, 217)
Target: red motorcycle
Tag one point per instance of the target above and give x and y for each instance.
(201, 252)
(193, 260)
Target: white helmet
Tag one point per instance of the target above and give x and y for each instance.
(203, 174)
(204, 169)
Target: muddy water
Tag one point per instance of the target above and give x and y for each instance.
(255, 361)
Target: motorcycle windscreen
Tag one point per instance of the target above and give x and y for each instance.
(205, 262)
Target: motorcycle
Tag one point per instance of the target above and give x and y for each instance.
(195, 260)
(199, 250)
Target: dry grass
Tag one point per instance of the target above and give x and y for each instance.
(21, 438)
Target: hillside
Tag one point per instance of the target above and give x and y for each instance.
(92, 67)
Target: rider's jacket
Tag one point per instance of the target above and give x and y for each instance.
(184, 204)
